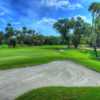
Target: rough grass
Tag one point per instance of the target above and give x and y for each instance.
(62, 93)
(28, 56)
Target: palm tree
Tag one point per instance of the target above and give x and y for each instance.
(77, 31)
(10, 33)
(95, 10)
(24, 29)
(9, 30)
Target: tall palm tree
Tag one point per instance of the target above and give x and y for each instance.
(9, 30)
(10, 34)
(95, 10)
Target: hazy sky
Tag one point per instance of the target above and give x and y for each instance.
(41, 14)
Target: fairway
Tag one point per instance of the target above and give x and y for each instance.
(25, 56)
(28, 56)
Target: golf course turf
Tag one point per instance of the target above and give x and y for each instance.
(62, 93)
(28, 56)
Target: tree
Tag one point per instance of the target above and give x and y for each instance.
(95, 10)
(22, 35)
(62, 26)
(9, 30)
(78, 30)
(86, 34)
(28, 37)
(1, 37)
(52, 40)
(10, 35)
(98, 31)
(24, 30)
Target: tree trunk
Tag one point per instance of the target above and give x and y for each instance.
(94, 32)
(95, 50)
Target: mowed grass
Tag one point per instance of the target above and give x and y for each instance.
(62, 93)
(28, 56)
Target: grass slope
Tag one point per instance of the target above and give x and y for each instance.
(62, 93)
(27, 56)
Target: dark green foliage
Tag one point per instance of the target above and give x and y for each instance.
(11, 38)
(1, 37)
(9, 30)
(62, 93)
(78, 26)
(26, 36)
(94, 8)
(62, 26)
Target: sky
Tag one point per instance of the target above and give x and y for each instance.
(41, 14)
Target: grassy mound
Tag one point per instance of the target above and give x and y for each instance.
(62, 93)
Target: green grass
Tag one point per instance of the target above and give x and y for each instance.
(22, 57)
(26, 56)
(62, 93)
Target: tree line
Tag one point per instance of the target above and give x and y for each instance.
(74, 30)
(25, 36)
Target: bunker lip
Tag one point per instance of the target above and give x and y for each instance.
(15, 82)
